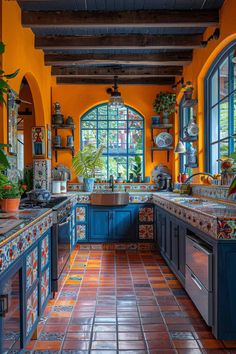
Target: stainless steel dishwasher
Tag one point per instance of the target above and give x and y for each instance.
(199, 275)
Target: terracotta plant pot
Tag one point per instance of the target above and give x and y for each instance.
(10, 205)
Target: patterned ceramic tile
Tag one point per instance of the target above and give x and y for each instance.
(32, 310)
(76, 187)
(45, 286)
(45, 252)
(81, 214)
(146, 232)
(31, 268)
(42, 174)
(81, 232)
(17, 246)
(146, 214)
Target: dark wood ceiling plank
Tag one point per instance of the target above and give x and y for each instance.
(110, 81)
(174, 58)
(119, 71)
(133, 41)
(141, 18)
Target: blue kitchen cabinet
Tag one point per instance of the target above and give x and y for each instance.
(25, 289)
(81, 223)
(110, 224)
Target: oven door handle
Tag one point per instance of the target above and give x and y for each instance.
(68, 219)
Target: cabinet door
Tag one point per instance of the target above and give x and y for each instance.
(182, 251)
(123, 226)
(100, 224)
(10, 311)
(163, 231)
(175, 243)
(168, 237)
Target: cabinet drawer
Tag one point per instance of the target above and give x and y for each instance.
(199, 260)
(199, 295)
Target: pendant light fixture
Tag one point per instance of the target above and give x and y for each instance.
(180, 148)
(116, 100)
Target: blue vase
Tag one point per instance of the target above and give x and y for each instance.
(88, 184)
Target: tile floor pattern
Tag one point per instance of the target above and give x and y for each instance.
(123, 302)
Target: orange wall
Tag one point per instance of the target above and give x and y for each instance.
(20, 53)
(197, 70)
(75, 100)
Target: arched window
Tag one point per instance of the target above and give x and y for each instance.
(122, 133)
(220, 109)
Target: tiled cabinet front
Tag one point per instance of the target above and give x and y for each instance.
(81, 216)
(145, 222)
(37, 283)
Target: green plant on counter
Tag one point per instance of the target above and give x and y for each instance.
(10, 190)
(87, 161)
(137, 166)
(4, 86)
(28, 177)
(165, 102)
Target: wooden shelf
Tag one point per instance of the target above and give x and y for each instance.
(167, 149)
(63, 126)
(162, 126)
(63, 148)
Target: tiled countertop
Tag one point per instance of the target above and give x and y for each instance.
(213, 218)
(16, 241)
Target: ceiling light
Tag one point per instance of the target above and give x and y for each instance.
(116, 100)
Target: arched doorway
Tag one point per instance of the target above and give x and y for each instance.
(26, 120)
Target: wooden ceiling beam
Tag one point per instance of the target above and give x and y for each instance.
(110, 81)
(132, 41)
(119, 71)
(140, 18)
(173, 58)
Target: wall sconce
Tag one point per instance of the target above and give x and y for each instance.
(215, 35)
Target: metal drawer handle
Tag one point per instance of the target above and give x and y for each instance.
(196, 281)
(3, 305)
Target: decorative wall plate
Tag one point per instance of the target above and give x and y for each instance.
(163, 140)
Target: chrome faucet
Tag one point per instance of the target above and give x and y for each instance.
(198, 173)
(112, 182)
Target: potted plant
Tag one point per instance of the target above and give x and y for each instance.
(137, 168)
(86, 163)
(165, 103)
(10, 193)
(187, 89)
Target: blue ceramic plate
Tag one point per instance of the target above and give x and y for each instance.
(163, 140)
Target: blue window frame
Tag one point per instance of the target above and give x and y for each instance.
(122, 132)
(220, 109)
(185, 114)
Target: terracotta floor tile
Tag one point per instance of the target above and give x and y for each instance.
(125, 301)
(131, 345)
(42, 345)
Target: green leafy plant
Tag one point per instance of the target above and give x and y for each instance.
(87, 161)
(4, 164)
(137, 166)
(28, 177)
(165, 102)
(4, 86)
(187, 86)
(10, 190)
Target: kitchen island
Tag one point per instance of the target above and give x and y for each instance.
(25, 274)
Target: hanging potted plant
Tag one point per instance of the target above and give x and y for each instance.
(165, 103)
(86, 163)
(187, 89)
